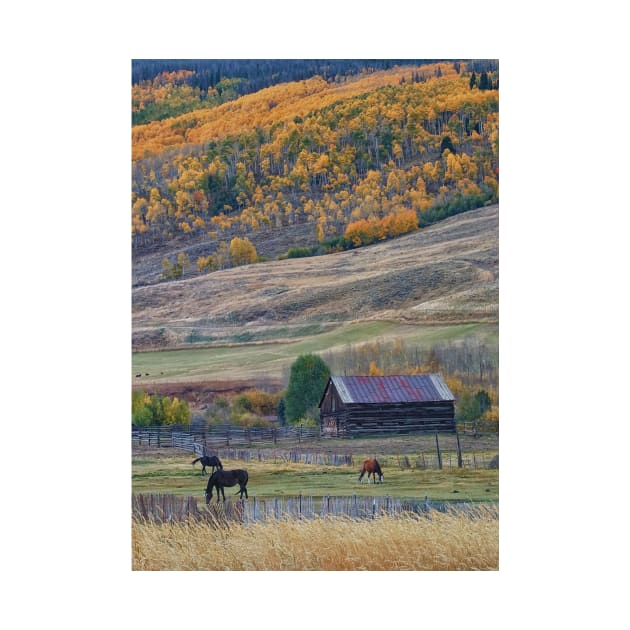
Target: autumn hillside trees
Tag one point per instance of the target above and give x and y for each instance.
(240, 251)
(367, 231)
(163, 88)
(324, 154)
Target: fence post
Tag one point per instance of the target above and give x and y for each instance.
(460, 464)
(439, 454)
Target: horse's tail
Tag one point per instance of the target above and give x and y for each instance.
(219, 464)
(195, 460)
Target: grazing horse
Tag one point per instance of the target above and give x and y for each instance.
(205, 460)
(371, 467)
(222, 478)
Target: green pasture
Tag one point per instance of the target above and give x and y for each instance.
(171, 472)
(250, 361)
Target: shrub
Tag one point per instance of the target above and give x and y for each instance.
(158, 410)
(309, 375)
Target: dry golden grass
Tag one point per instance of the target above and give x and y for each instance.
(441, 542)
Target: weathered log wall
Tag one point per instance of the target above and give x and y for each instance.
(357, 419)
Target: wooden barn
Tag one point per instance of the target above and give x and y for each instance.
(363, 405)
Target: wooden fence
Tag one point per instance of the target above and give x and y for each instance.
(184, 436)
(172, 508)
(446, 451)
(424, 461)
(320, 458)
(168, 508)
(179, 436)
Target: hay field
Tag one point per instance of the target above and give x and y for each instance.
(439, 542)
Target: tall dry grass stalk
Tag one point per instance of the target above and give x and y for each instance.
(439, 542)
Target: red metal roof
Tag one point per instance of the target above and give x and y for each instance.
(392, 389)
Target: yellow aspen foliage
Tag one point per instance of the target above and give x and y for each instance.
(205, 263)
(317, 140)
(375, 370)
(242, 251)
(321, 229)
(455, 385)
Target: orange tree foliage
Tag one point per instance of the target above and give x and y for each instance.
(329, 154)
(366, 231)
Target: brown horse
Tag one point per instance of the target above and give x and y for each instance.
(221, 478)
(371, 467)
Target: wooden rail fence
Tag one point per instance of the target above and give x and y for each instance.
(220, 436)
(320, 458)
(446, 451)
(183, 436)
(169, 508)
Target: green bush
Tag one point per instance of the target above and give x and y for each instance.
(309, 375)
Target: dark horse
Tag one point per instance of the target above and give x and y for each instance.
(222, 478)
(371, 467)
(205, 460)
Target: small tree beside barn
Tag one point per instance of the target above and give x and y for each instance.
(360, 405)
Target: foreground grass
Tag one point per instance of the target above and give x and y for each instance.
(439, 542)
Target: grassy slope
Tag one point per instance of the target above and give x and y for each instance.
(439, 283)
(251, 361)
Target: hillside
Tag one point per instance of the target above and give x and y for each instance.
(307, 160)
(228, 170)
(446, 273)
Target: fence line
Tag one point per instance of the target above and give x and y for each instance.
(181, 436)
(168, 508)
(320, 458)
(445, 454)
(424, 461)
